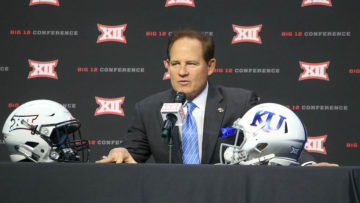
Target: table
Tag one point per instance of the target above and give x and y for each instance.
(89, 182)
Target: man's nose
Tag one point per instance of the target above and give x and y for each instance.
(183, 71)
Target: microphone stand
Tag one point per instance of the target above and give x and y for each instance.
(170, 123)
(167, 132)
(170, 147)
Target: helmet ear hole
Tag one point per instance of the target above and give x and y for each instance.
(32, 144)
(261, 146)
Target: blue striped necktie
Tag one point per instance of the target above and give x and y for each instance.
(189, 135)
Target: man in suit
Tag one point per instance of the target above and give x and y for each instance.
(191, 61)
(223, 106)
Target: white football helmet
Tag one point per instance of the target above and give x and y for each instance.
(44, 131)
(272, 135)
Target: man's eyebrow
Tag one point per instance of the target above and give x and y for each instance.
(173, 62)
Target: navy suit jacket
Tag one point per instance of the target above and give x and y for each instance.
(223, 106)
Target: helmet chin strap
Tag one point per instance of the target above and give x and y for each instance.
(258, 161)
(271, 160)
(283, 161)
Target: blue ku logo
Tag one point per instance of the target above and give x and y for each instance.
(269, 121)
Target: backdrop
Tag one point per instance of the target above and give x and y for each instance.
(98, 58)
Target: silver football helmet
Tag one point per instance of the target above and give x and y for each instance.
(44, 131)
(272, 135)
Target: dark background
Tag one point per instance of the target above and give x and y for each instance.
(77, 90)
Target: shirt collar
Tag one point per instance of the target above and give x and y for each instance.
(200, 100)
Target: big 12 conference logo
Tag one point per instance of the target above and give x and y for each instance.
(43, 69)
(270, 123)
(19, 120)
(50, 2)
(167, 74)
(314, 70)
(316, 2)
(180, 2)
(316, 144)
(111, 33)
(247, 34)
(109, 106)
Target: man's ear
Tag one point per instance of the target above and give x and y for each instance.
(211, 66)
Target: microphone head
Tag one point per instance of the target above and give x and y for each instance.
(180, 97)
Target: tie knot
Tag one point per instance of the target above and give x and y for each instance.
(190, 106)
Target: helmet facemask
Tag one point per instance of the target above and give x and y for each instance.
(249, 152)
(64, 143)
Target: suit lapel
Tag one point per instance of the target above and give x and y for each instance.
(176, 152)
(214, 114)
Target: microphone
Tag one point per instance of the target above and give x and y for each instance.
(173, 114)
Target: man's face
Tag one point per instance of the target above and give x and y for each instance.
(188, 69)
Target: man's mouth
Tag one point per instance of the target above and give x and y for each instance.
(184, 82)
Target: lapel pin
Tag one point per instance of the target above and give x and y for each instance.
(220, 110)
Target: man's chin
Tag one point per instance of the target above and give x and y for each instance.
(189, 95)
(183, 90)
